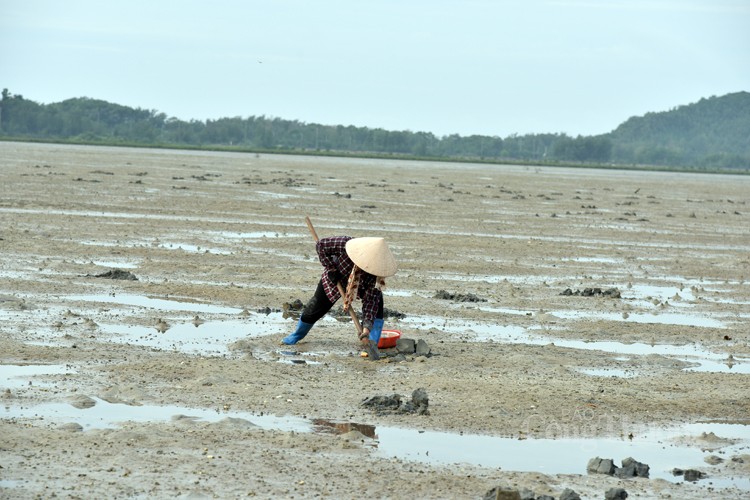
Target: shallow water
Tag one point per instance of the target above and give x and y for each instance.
(700, 357)
(661, 318)
(653, 447)
(155, 303)
(608, 372)
(210, 338)
(253, 235)
(105, 415)
(546, 455)
(18, 376)
(213, 337)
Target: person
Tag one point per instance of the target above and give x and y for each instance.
(360, 265)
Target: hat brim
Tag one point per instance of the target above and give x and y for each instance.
(372, 255)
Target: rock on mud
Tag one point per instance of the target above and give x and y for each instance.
(115, 274)
(691, 475)
(410, 346)
(569, 494)
(615, 494)
(502, 493)
(292, 309)
(406, 346)
(505, 493)
(630, 468)
(601, 466)
(422, 348)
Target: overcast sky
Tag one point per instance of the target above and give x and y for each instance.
(492, 67)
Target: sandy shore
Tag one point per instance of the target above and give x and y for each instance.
(174, 384)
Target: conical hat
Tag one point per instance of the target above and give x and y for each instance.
(372, 255)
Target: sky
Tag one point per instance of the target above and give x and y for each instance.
(489, 67)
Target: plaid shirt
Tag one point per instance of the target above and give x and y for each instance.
(337, 268)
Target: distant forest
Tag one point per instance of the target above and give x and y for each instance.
(711, 134)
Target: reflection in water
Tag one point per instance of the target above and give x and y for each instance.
(329, 426)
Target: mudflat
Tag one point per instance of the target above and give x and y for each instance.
(564, 314)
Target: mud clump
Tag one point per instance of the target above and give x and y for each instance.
(458, 297)
(115, 274)
(630, 468)
(615, 494)
(691, 475)
(292, 309)
(392, 314)
(505, 493)
(501, 493)
(613, 293)
(266, 310)
(410, 346)
(398, 404)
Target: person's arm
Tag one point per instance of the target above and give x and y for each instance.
(371, 300)
(330, 249)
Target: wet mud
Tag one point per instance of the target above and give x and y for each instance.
(174, 384)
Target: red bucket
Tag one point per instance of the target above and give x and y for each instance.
(388, 338)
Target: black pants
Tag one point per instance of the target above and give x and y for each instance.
(319, 305)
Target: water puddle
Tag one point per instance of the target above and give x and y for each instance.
(682, 294)
(209, 338)
(255, 235)
(188, 327)
(114, 264)
(154, 303)
(695, 354)
(492, 278)
(608, 372)
(544, 455)
(296, 358)
(187, 247)
(662, 318)
(18, 376)
(104, 415)
(276, 196)
(15, 275)
(669, 294)
(659, 448)
(595, 260)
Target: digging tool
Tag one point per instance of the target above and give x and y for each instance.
(372, 350)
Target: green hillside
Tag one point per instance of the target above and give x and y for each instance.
(712, 134)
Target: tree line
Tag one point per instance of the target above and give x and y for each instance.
(87, 120)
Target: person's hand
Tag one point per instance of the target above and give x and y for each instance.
(370, 346)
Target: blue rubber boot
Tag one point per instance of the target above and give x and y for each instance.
(298, 334)
(377, 330)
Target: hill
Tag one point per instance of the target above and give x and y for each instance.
(713, 133)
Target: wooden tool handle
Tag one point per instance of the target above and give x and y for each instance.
(312, 229)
